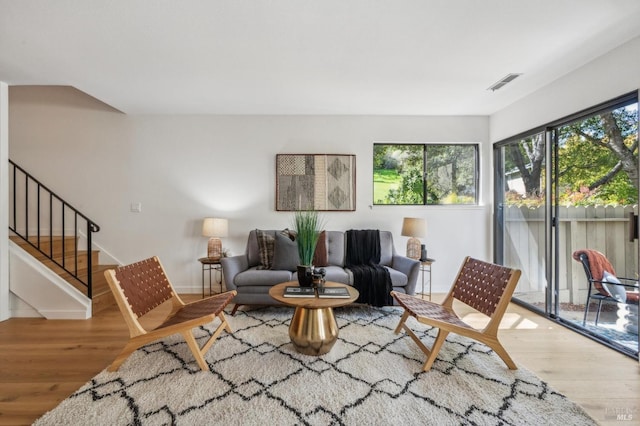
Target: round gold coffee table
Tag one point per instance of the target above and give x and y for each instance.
(313, 329)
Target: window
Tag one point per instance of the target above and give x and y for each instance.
(425, 174)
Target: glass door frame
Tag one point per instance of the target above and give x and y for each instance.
(551, 308)
(499, 221)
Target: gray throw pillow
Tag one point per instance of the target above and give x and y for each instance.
(285, 253)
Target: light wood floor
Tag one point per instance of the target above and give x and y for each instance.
(43, 361)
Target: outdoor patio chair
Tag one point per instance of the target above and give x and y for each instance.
(603, 284)
(141, 287)
(484, 286)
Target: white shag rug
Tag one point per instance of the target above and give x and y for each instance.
(371, 377)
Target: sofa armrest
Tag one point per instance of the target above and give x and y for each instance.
(409, 267)
(232, 266)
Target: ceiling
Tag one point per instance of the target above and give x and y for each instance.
(392, 57)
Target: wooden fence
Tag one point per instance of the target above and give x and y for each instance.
(603, 228)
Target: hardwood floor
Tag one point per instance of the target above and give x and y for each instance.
(43, 361)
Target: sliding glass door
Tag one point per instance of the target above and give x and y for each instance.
(522, 216)
(572, 186)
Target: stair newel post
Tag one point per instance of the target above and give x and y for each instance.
(90, 230)
(75, 245)
(50, 224)
(64, 235)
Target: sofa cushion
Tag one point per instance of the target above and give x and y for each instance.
(335, 248)
(386, 248)
(253, 252)
(285, 253)
(338, 274)
(320, 256)
(266, 242)
(257, 277)
(398, 279)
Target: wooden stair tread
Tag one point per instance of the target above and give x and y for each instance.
(47, 244)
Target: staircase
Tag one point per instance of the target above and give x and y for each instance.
(59, 236)
(101, 294)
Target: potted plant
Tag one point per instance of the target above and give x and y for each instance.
(307, 225)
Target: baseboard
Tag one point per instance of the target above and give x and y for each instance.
(190, 289)
(24, 313)
(66, 314)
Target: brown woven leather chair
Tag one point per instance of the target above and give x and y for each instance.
(484, 286)
(141, 287)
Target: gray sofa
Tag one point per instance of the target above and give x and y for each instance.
(242, 273)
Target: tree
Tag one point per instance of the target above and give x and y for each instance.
(451, 172)
(403, 165)
(531, 148)
(592, 154)
(617, 132)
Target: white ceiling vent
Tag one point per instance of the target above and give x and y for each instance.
(503, 81)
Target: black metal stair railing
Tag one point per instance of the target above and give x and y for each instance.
(51, 219)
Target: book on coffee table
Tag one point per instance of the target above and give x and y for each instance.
(333, 292)
(293, 291)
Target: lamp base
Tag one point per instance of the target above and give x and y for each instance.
(413, 248)
(214, 248)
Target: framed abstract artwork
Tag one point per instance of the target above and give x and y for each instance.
(324, 182)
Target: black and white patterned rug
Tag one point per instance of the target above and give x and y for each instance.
(371, 377)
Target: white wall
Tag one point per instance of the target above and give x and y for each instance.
(4, 233)
(184, 168)
(609, 76)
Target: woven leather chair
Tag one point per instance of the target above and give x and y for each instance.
(484, 286)
(141, 287)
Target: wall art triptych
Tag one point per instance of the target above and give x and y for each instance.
(324, 182)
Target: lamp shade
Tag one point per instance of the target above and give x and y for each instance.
(215, 227)
(414, 227)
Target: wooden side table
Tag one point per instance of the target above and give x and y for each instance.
(425, 266)
(209, 264)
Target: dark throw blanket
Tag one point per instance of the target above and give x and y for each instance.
(371, 279)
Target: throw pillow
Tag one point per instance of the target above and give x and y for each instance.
(265, 247)
(618, 292)
(285, 253)
(321, 255)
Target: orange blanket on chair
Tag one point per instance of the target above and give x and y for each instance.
(598, 263)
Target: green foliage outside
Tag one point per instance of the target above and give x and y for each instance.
(397, 175)
(399, 171)
(384, 180)
(582, 164)
(597, 162)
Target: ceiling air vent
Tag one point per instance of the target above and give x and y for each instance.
(503, 81)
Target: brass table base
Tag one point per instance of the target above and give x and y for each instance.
(313, 331)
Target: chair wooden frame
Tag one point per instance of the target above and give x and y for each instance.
(141, 287)
(484, 286)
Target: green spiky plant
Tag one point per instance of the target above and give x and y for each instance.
(307, 225)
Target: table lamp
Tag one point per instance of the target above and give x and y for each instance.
(415, 228)
(215, 228)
